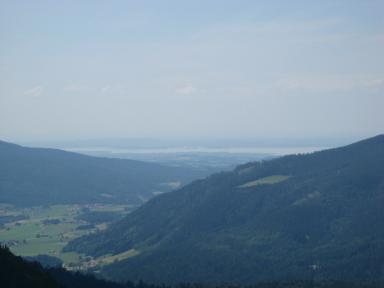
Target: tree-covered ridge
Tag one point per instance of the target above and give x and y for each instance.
(40, 176)
(15, 272)
(324, 221)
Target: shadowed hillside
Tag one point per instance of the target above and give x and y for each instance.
(18, 273)
(37, 176)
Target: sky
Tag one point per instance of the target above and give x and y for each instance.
(196, 69)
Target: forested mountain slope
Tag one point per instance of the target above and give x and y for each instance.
(40, 176)
(18, 273)
(313, 216)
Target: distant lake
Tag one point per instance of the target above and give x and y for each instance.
(276, 151)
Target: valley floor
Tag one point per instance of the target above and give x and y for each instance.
(45, 230)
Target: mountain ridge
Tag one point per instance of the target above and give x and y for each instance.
(211, 230)
(43, 176)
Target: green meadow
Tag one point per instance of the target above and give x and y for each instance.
(274, 179)
(46, 230)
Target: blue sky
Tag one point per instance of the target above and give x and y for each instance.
(99, 69)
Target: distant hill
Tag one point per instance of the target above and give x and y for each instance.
(39, 176)
(316, 216)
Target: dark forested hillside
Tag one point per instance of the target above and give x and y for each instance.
(18, 273)
(36, 176)
(314, 217)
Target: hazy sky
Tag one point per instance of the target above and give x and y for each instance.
(99, 69)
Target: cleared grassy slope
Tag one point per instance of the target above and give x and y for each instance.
(269, 180)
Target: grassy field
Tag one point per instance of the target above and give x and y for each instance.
(265, 181)
(46, 230)
(108, 259)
